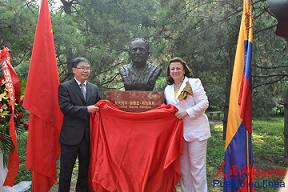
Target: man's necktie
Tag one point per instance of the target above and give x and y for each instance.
(83, 89)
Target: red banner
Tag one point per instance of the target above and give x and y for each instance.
(12, 84)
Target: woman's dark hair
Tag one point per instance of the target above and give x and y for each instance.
(74, 62)
(187, 70)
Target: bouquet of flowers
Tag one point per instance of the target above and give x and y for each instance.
(11, 116)
(5, 114)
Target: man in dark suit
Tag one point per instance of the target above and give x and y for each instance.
(77, 98)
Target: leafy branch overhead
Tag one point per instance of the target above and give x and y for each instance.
(204, 33)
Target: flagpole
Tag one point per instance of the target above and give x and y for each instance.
(248, 135)
(248, 160)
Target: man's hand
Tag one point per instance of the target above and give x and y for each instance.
(181, 115)
(92, 108)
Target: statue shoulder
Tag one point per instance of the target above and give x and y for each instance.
(124, 69)
(154, 68)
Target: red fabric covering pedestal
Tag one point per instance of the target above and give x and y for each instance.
(135, 152)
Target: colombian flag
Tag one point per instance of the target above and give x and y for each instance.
(238, 147)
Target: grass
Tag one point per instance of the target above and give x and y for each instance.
(24, 174)
(268, 149)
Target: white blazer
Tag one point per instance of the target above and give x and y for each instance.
(196, 124)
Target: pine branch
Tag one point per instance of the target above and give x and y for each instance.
(275, 67)
(272, 75)
(268, 83)
(110, 80)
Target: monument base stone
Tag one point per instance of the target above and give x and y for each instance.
(135, 101)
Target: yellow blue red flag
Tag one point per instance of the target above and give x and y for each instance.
(238, 160)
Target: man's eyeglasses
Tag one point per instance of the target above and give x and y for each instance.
(83, 68)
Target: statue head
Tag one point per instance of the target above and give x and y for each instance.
(138, 51)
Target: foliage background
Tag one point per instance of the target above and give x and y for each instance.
(203, 32)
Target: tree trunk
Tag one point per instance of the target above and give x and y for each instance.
(286, 125)
(67, 6)
(69, 57)
(226, 107)
(229, 65)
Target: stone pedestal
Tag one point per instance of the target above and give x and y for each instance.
(135, 101)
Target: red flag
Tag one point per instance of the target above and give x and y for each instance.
(41, 99)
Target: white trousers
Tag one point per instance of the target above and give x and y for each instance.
(193, 167)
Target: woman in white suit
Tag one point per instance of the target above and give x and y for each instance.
(188, 95)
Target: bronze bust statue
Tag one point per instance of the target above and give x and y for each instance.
(139, 75)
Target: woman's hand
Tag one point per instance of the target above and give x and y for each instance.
(181, 115)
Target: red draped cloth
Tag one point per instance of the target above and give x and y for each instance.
(135, 152)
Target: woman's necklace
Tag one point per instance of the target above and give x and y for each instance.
(177, 87)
